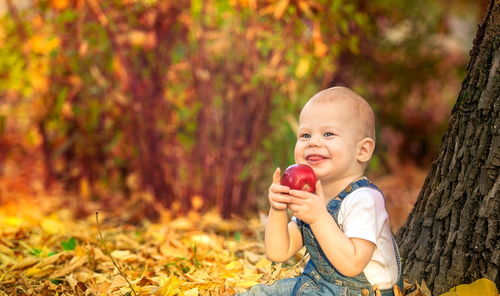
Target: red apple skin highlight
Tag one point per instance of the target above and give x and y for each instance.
(299, 177)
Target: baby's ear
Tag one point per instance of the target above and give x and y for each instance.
(365, 149)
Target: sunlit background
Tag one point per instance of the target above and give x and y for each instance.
(134, 106)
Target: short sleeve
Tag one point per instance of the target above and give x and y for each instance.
(358, 215)
(363, 215)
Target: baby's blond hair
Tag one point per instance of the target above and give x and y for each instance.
(361, 108)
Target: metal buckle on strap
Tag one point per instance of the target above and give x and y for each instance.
(339, 283)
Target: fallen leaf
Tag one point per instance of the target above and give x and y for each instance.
(483, 287)
(75, 263)
(118, 282)
(169, 286)
(124, 255)
(192, 292)
(26, 262)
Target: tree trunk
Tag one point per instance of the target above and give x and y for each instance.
(452, 234)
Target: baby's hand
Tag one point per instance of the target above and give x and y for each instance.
(308, 207)
(278, 194)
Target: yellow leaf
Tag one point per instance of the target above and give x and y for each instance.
(267, 9)
(52, 225)
(192, 292)
(80, 251)
(137, 37)
(171, 252)
(118, 281)
(13, 221)
(280, 8)
(229, 275)
(37, 21)
(51, 259)
(59, 4)
(31, 271)
(26, 262)
(246, 284)
(146, 40)
(302, 68)
(76, 262)
(39, 81)
(201, 275)
(233, 265)
(169, 286)
(320, 49)
(483, 287)
(252, 4)
(43, 45)
(304, 6)
(36, 272)
(197, 202)
(252, 276)
(202, 239)
(181, 224)
(119, 71)
(71, 281)
(124, 255)
(263, 263)
(7, 251)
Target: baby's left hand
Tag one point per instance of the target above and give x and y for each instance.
(308, 207)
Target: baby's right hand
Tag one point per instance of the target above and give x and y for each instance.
(278, 194)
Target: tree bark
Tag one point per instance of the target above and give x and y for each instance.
(452, 235)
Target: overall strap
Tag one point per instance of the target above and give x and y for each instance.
(355, 185)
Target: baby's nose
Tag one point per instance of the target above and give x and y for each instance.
(314, 141)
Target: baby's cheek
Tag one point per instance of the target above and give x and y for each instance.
(296, 154)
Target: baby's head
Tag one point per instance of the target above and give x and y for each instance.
(361, 113)
(336, 135)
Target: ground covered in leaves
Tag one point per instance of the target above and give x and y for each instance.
(46, 252)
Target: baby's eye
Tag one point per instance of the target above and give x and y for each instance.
(328, 134)
(305, 135)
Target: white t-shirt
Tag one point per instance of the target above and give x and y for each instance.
(363, 215)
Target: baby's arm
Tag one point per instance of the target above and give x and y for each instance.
(349, 255)
(282, 240)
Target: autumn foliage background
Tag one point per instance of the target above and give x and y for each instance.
(169, 117)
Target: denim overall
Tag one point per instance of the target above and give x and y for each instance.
(319, 276)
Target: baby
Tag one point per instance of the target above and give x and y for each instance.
(344, 224)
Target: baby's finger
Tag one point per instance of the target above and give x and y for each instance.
(277, 176)
(294, 208)
(300, 194)
(279, 206)
(277, 188)
(281, 198)
(296, 201)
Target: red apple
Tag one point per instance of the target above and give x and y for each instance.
(299, 177)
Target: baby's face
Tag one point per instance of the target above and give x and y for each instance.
(327, 139)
